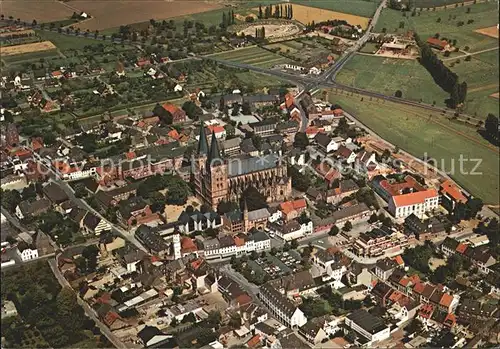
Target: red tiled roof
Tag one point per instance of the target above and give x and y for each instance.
(399, 260)
(130, 155)
(395, 296)
(243, 299)
(188, 245)
(173, 134)
(289, 206)
(254, 341)
(239, 241)
(171, 108)
(419, 288)
(404, 281)
(437, 42)
(312, 130)
(450, 320)
(453, 191)
(338, 112)
(461, 248)
(57, 73)
(446, 300)
(414, 198)
(414, 278)
(215, 128)
(426, 311)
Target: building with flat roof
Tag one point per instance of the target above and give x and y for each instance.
(368, 328)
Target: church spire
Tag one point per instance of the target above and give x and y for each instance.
(214, 150)
(202, 143)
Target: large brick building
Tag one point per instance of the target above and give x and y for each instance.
(218, 179)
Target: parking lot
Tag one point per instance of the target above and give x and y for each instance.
(283, 263)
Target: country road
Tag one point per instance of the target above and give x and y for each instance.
(466, 54)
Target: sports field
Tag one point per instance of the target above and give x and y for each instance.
(420, 132)
(387, 75)
(254, 56)
(426, 24)
(364, 8)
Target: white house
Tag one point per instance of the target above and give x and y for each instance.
(178, 88)
(261, 241)
(371, 328)
(331, 265)
(281, 307)
(91, 224)
(26, 252)
(293, 67)
(314, 71)
(401, 206)
(291, 230)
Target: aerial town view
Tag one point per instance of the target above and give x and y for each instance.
(227, 174)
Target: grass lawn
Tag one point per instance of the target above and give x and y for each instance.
(364, 8)
(387, 75)
(481, 75)
(426, 25)
(66, 42)
(369, 47)
(420, 132)
(254, 56)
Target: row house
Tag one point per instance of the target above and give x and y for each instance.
(281, 307)
(232, 292)
(291, 230)
(332, 264)
(480, 256)
(401, 206)
(377, 241)
(292, 209)
(189, 222)
(450, 195)
(227, 246)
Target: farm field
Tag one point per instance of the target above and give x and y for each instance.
(42, 11)
(254, 56)
(419, 132)
(354, 7)
(129, 12)
(426, 24)
(30, 57)
(481, 75)
(27, 48)
(387, 75)
(307, 14)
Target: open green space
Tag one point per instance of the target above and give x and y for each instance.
(31, 56)
(435, 3)
(68, 42)
(369, 47)
(445, 22)
(481, 75)
(364, 8)
(421, 132)
(387, 75)
(254, 56)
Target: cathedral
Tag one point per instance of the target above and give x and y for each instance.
(219, 179)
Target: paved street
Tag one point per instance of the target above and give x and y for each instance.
(84, 205)
(88, 310)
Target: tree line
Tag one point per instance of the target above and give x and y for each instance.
(227, 19)
(491, 130)
(280, 11)
(442, 75)
(260, 33)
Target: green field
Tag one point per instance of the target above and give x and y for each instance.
(29, 57)
(66, 42)
(254, 56)
(364, 8)
(411, 129)
(387, 75)
(436, 3)
(426, 24)
(481, 75)
(369, 47)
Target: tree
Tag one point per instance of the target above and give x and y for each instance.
(301, 141)
(273, 251)
(253, 199)
(80, 190)
(387, 221)
(398, 94)
(245, 108)
(373, 218)
(10, 199)
(334, 230)
(347, 226)
(254, 255)
(491, 129)
(260, 11)
(174, 322)
(192, 110)
(294, 244)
